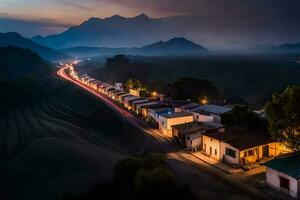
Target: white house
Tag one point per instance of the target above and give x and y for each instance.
(209, 113)
(283, 174)
(129, 98)
(154, 113)
(139, 106)
(240, 146)
(121, 97)
(166, 121)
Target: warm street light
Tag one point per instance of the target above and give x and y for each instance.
(154, 94)
(204, 100)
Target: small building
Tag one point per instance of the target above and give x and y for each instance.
(209, 113)
(134, 92)
(119, 86)
(129, 98)
(283, 174)
(131, 102)
(140, 105)
(138, 102)
(122, 96)
(154, 113)
(166, 121)
(116, 95)
(145, 108)
(112, 92)
(189, 135)
(240, 146)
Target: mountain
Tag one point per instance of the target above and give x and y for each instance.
(290, 47)
(14, 39)
(115, 31)
(173, 47)
(18, 63)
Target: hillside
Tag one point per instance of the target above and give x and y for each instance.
(174, 47)
(18, 63)
(14, 39)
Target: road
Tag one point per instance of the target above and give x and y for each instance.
(202, 168)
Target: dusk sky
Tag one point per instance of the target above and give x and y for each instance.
(253, 18)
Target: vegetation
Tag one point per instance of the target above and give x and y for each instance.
(194, 89)
(284, 116)
(140, 178)
(242, 116)
(240, 79)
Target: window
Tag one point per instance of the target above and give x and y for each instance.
(162, 123)
(284, 183)
(251, 152)
(230, 152)
(245, 153)
(216, 152)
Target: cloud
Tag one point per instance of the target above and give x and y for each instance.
(77, 5)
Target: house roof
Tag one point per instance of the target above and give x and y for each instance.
(289, 165)
(190, 106)
(212, 109)
(241, 138)
(160, 109)
(136, 102)
(177, 103)
(158, 105)
(133, 100)
(176, 115)
(188, 127)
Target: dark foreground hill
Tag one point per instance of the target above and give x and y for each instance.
(17, 63)
(14, 39)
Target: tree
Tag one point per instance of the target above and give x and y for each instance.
(242, 116)
(194, 89)
(283, 114)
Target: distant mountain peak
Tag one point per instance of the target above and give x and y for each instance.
(114, 18)
(92, 20)
(141, 17)
(178, 45)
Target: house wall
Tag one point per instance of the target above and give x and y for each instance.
(214, 144)
(202, 118)
(227, 158)
(165, 124)
(134, 92)
(272, 180)
(275, 149)
(195, 142)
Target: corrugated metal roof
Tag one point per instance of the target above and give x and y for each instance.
(289, 165)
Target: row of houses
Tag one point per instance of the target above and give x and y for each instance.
(198, 127)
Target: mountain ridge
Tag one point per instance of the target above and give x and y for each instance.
(15, 39)
(173, 47)
(114, 31)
